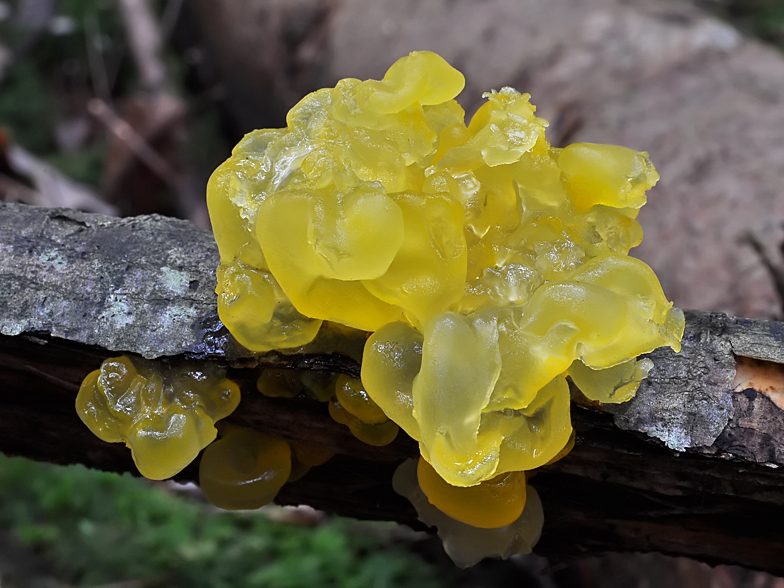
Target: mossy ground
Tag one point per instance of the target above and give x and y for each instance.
(93, 528)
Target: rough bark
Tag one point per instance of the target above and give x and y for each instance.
(692, 466)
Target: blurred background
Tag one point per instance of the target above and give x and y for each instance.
(124, 107)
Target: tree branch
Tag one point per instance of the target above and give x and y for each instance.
(691, 466)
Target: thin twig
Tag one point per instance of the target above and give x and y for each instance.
(135, 142)
(138, 583)
(776, 270)
(65, 384)
(171, 14)
(92, 38)
(145, 40)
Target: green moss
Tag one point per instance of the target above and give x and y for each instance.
(95, 528)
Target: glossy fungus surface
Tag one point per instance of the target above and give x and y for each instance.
(466, 544)
(164, 413)
(487, 264)
(244, 469)
(491, 504)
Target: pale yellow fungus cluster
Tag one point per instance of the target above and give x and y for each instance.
(486, 265)
(165, 415)
(349, 403)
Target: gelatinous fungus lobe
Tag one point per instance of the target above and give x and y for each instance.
(244, 469)
(304, 457)
(467, 544)
(165, 413)
(491, 504)
(351, 406)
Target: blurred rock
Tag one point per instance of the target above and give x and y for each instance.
(34, 14)
(6, 58)
(654, 570)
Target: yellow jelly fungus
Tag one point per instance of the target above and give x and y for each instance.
(244, 469)
(605, 174)
(165, 414)
(565, 451)
(351, 395)
(487, 264)
(395, 353)
(464, 543)
(377, 434)
(488, 505)
(253, 306)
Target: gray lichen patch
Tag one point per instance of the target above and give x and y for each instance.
(686, 400)
(175, 280)
(142, 284)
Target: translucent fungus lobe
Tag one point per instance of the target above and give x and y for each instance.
(351, 394)
(466, 544)
(164, 413)
(244, 469)
(493, 503)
